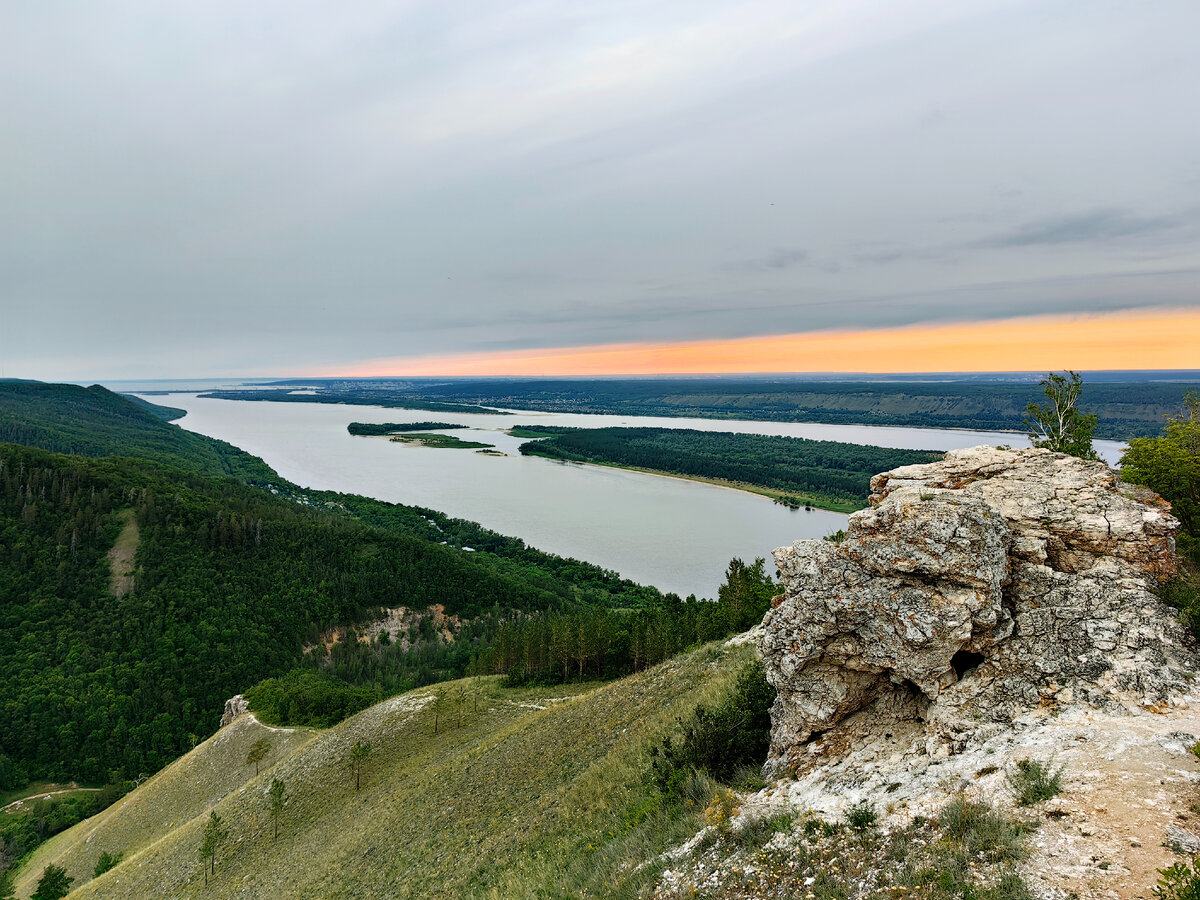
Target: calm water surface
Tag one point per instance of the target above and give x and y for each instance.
(674, 534)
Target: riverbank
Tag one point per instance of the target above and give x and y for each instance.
(790, 500)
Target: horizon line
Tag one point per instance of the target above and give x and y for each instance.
(1155, 339)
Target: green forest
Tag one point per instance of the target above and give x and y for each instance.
(801, 471)
(1126, 408)
(370, 429)
(393, 399)
(231, 581)
(94, 421)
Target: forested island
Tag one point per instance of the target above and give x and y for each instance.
(371, 429)
(795, 471)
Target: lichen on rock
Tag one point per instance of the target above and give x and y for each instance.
(988, 586)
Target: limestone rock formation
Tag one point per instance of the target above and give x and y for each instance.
(992, 585)
(235, 706)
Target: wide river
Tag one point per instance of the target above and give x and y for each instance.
(677, 535)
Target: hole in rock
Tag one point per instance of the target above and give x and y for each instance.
(964, 662)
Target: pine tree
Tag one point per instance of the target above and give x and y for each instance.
(277, 799)
(358, 756)
(258, 752)
(54, 884)
(212, 838)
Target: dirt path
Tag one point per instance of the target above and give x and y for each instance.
(252, 716)
(122, 554)
(45, 795)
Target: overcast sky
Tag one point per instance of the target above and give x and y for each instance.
(204, 188)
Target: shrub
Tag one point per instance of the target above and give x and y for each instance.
(105, 862)
(722, 809)
(861, 815)
(1180, 882)
(1034, 781)
(722, 740)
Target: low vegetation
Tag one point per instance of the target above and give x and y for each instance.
(439, 441)
(1179, 882)
(1034, 780)
(970, 850)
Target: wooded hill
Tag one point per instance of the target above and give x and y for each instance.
(94, 421)
(229, 581)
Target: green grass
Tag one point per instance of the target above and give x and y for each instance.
(33, 789)
(521, 793)
(179, 793)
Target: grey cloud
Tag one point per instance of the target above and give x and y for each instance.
(234, 188)
(779, 258)
(1098, 225)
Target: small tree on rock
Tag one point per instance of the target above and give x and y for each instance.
(1059, 425)
(258, 752)
(277, 798)
(54, 884)
(358, 757)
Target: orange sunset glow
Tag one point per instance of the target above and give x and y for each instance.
(1154, 339)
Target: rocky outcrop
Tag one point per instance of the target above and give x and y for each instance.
(992, 585)
(235, 706)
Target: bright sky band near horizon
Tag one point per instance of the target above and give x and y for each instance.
(1154, 339)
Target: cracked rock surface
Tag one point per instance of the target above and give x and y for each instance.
(988, 587)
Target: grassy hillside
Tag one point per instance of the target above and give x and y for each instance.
(534, 794)
(172, 798)
(93, 421)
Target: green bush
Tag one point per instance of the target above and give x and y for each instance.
(1034, 781)
(1180, 882)
(721, 740)
(861, 815)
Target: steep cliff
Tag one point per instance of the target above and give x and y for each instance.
(993, 585)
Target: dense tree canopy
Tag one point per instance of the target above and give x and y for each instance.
(825, 472)
(1170, 465)
(230, 583)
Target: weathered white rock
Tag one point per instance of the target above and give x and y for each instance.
(235, 706)
(979, 589)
